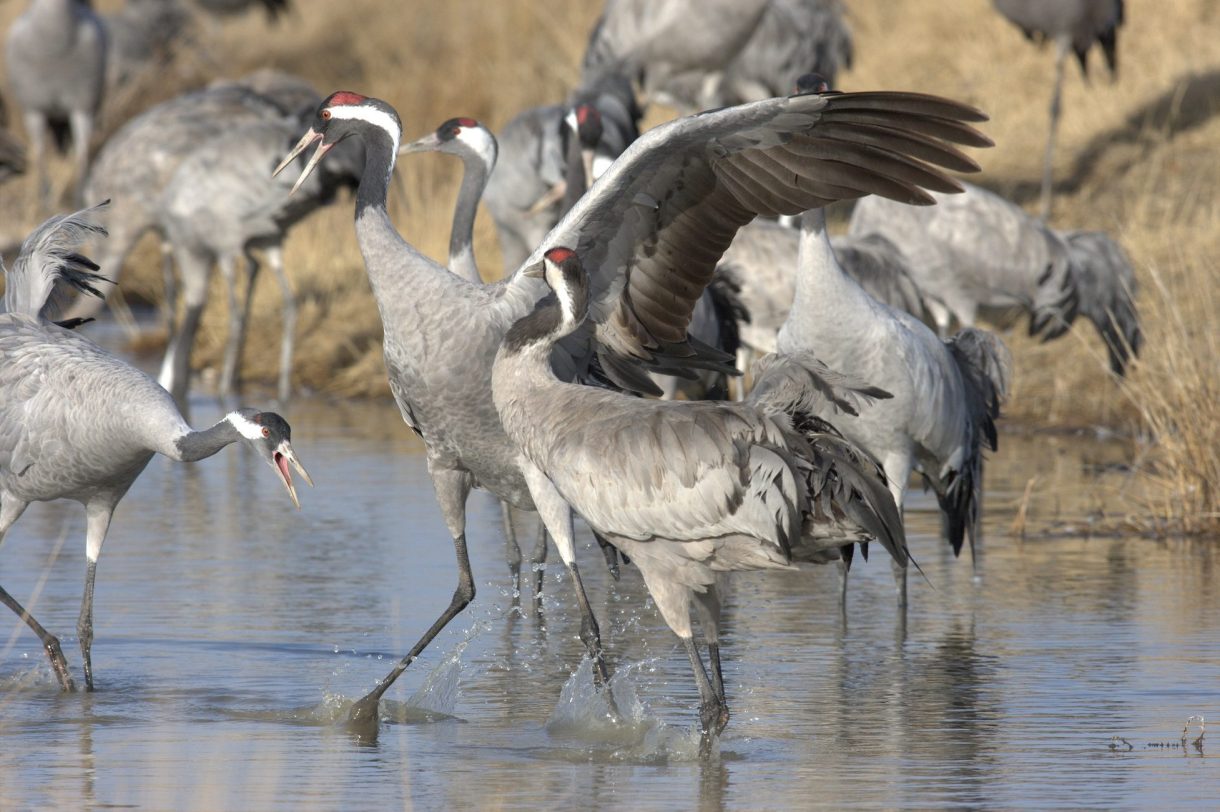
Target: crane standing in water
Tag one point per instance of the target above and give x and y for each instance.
(77, 423)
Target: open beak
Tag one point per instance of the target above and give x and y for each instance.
(281, 457)
(428, 143)
(308, 138)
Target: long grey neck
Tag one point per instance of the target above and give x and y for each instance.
(575, 182)
(378, 164)
(461, 236)
(198, 445)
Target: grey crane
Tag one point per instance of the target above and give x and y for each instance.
(55, 55)
(652, 229)
(526, 193)
(134, 165)
(945, 395)
(688, 490)
(1074, 25)
(677, 51)
(141, 35)
(77, 423)
(762, 265)
(477, 148)
(220, 206)
(793, 37)
(979, 254)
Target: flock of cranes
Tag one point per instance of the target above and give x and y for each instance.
(636, 266)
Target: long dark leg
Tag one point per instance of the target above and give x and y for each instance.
(238, 318)
(590, 634)
(512, 549)
(1048, 171)
(98, 522)
(538, 563)
(10, 511)
(711, 710)
(49, 641)
(707, 604)
(610, 553)
(452, 488)
(846, 554)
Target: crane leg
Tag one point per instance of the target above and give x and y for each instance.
(81, 123)
(1061, 52)
(275, 258)
(238, 317)
(10, 511)
(169, 307)
(538, 563)
(707, 604)
(176, 366)
(512, 548)
(556, 515)
(36, 131)
(452, 488)
(97, 523)
(846, 555)
(713, 715)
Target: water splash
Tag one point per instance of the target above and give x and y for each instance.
(633, 734)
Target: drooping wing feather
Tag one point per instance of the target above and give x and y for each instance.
(796, 380)
(48, 256)
(1105, 285)
(653, 227)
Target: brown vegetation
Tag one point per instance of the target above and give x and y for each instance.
(1137, 158)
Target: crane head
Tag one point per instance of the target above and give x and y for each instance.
(340, 115)
(271, 438)
(458, 136)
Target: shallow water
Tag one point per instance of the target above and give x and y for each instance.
(233, 632)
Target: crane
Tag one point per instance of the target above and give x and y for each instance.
(653, 227)
(55, 55)
(945, 395)
(217, 208)
(979, 254)
(78, 423)
(1074, 25)
(693, 489)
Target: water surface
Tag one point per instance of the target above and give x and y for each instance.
(232, 632)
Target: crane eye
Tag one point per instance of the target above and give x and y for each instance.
(326, 115)
(266, 431)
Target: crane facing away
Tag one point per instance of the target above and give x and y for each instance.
(688, 490)
(78, 423)
(652, 230)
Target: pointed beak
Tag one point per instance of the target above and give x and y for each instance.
(536, 271)
(308, 138)
(428, 143)
(281, 457)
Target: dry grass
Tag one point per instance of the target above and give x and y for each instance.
(1137, 158)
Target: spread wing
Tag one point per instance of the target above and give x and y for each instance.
(652, 229)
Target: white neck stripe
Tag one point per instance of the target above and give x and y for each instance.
(372, 115)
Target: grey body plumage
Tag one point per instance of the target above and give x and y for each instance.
(77, 423)
(932, 419)
(977, 254)
(688, 490)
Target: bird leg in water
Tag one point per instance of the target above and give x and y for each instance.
(538, 563)
(713, 714)
(84, 625)
(452, 488)
(512, 548)
(49, 641)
